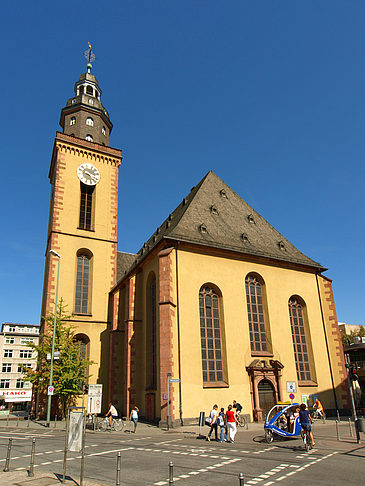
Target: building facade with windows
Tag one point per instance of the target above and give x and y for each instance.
(216, 299)
(221, 303)
(14, 355)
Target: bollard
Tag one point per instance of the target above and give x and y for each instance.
(31, 467)
(17, 421)
(171, 473)
(6, 468)
(117, 483)
(337, 430)
(28, 419)
(350, 426)
(242, 481)
(55, 420)
(7, 420)
(338, 416)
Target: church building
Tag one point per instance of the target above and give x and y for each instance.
(217, 305)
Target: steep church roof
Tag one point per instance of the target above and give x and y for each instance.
(214, 215)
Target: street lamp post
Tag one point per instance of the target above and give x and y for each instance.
(52, 252)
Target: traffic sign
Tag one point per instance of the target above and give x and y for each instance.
(292, 396)
(50, 390)
(291, 386)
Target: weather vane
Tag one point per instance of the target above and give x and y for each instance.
(90, 56)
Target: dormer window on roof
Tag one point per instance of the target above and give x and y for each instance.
(281, 245)
(203, 228)
(223, 193)
(251, 219)
(214, 210)
(244, 237)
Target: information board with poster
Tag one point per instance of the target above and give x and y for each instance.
(75, 430)
(94, 399)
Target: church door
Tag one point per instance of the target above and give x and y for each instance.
(266, 396)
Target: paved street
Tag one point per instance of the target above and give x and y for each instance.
(146, 455)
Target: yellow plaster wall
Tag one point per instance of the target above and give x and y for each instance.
(229, 275)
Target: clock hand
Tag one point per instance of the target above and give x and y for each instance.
(89, 174)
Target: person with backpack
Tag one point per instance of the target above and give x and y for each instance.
(222, 422)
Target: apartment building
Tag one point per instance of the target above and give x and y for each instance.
(15, 393)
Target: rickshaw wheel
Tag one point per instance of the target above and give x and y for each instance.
(269, 436)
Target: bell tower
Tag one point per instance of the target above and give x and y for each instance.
(82, 227)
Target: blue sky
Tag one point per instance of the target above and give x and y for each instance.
(269, 95)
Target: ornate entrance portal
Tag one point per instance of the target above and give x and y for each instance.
(265, 386)
(267, 397)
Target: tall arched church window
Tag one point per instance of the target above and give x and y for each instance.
(83, 272)
(211, 335)
(151, 334)
(256, 313)
(300, 344)
(89, 121)
(72, 120)
(89, 138)
(86, 207)
(83, 342)
(89, 90)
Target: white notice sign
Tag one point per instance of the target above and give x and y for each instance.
(94, 399)
(75, 430)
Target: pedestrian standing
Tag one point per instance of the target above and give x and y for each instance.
(213, 422)
(134, 417)
(231, 423)
(222, 422)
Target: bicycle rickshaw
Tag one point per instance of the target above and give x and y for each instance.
(278, 421)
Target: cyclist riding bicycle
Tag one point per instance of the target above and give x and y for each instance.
(305, 421)
(237, 406)
(112, 413)
(319, 407)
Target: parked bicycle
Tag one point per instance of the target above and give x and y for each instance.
(103, 424)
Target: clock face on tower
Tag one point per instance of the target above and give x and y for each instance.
(88, 174)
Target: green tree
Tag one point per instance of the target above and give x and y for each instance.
(69, 370)
(350, 338)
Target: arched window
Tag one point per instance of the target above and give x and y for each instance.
(82, 282)
(103, 131)
(86, 207)
(211, 335)
(89, 121)
(89, 138)
(72, 120)
(301, 351)
(256, 313)
(89, 90)
(83, 342)
(151, 334)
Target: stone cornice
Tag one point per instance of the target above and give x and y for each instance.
(85, 150)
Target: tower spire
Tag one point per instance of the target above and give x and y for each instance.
(90, 56)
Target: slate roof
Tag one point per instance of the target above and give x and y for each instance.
(124, 262)
(214, 215)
